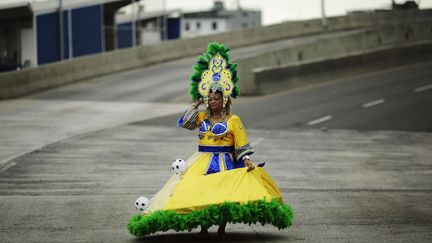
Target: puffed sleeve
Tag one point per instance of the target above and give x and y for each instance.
(241, 144)
(191, 120)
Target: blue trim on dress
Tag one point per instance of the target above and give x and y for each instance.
(238, 164)
(204, 126)
(214, 165)
(181, 121)
(219, 128)
(216, 149)
(229, 163)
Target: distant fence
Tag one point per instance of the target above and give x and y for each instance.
(19, 83)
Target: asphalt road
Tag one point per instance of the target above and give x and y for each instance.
(343, 185)
(396, 99)
(352, 156)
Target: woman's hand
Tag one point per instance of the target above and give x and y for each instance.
(196, 103)
(248, 163)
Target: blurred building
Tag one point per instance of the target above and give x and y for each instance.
(150, 27)
(153, 27)
(34, 33)
(217, 20)
(44, 32)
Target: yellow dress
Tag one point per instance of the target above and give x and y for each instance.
(215, 175)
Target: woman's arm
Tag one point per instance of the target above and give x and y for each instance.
(189, 118)
(242, 149)
(192, 107)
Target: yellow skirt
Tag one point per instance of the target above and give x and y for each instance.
(193, 190)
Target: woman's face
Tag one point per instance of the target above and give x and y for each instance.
(215, 101)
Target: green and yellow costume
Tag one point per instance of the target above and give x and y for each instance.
(216, 186)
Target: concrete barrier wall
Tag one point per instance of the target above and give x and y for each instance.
(270, 80)
(362, 41)
(356, 20)
(14, 84)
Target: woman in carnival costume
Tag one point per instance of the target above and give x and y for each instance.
(220, 184)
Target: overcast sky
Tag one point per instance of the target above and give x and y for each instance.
(274, 11)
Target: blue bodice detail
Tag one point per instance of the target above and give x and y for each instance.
(218, 140)
(222, 155)
(218, 129)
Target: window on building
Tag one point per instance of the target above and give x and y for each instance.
(214, 25)
(198, 25)
(187, 27)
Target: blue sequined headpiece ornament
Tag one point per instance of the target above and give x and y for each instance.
(214, 72)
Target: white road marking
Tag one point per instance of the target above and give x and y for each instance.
(423, 88)
(319, 120)
(373, 103)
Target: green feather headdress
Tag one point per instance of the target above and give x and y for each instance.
(214, 71)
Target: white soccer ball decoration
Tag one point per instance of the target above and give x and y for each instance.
(142, 203)
(178, 166)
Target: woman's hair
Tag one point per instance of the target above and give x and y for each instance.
(227, 108)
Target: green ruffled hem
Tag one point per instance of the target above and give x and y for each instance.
(263, 212)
